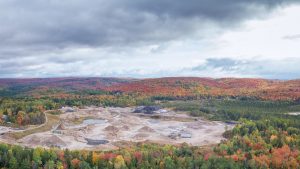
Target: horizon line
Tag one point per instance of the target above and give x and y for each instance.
(142, 78)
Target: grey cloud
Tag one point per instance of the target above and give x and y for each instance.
(210, 9)
(226, 64)
(38, 35)
(272, 69)
(54, 25)
(221, 63)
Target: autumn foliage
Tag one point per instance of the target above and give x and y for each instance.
(167, 87)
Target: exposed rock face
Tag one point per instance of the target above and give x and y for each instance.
(185, 135)
(68, 109)
(181, 134)
(173, 135)
(147, 109)
(95, 141)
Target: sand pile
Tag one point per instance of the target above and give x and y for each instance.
(146, 129)
(125, 127)
(53, 141)
(48, 141)
(61, 126)
(112, 129)
(141, 136)
(33, 140)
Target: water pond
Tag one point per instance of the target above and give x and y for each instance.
(93, 121)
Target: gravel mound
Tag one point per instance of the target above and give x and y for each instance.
(146, 129)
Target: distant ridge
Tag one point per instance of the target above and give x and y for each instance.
(167, 86)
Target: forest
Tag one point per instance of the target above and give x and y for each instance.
(265, 135)
(149, 84)
(266, 143)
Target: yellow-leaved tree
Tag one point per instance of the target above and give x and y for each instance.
(119, 162)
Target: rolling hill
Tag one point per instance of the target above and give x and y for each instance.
(164, 87)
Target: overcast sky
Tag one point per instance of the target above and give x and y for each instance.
(150, 38)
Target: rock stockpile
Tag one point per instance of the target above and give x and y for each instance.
(147, 109)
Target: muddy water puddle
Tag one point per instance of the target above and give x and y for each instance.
(94, 121)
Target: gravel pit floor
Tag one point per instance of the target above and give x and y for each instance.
(121, 125)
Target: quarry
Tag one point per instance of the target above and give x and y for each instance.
(106, 128)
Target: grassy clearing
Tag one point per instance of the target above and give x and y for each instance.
(52, 120)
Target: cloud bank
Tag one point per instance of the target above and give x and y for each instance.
(93, 38)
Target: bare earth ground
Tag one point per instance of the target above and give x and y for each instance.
(72, 129)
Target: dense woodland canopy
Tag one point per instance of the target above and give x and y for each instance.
(264, 143)
(24, 100)
(180, 87)
(265, 136)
